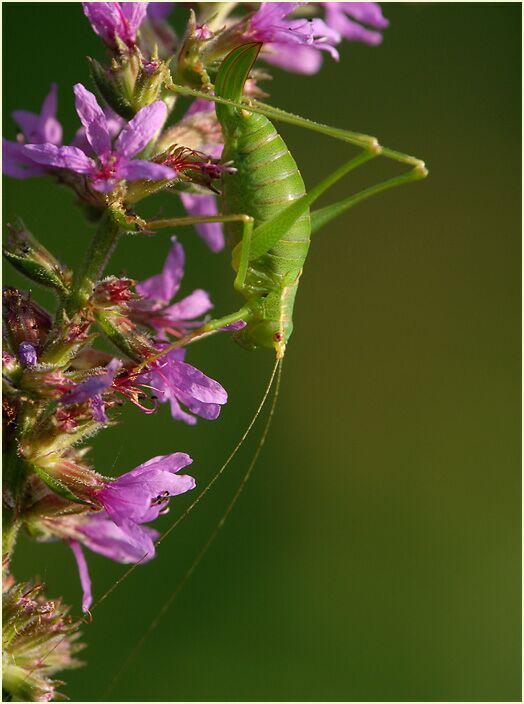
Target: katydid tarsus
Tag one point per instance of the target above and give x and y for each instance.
(267, 217)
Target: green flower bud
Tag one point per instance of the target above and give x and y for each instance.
(32, 259)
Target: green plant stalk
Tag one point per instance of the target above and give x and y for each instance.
(101, 248)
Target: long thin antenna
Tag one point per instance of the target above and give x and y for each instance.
(198, 559)
(184, 515)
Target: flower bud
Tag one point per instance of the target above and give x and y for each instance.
(32, 259)
(115, 84)
(39, 639)
(125, 335)
(24, 319)
(71, 480)
(70, 337)
(190, 69)
(113, 291)
(149, 82)
(131, 83)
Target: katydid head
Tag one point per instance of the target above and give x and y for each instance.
(272, 334)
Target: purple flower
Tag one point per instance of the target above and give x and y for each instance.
(141, 495)
(116, 19)
(113, 163)
(348, 18)
(92, 389)
(36, 129)
(27, 354)
(154, 309)
(292, 44)
(135, 498)
(115, 124)
(176, 381)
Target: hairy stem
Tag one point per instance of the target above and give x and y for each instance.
(100, 249)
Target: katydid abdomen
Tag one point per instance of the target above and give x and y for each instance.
(266, 181)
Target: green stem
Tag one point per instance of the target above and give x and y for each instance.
(86, 277)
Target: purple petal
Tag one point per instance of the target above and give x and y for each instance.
(234, 327)
(29, 123)
(104, 17)
(190, 307)
(60, 157)
(102, 535)
(27, 354)
(85, 580)
(209, 411)
(17, 163)
(164, 286)
(167, 463)
(49, 106)
(93, 119)
(134, 13)
(160, 10)
(198, 205)
(177, 413)
(349, 29)
(368, 13)
(196, 384)
(139, 169)
(198, 105)
(141, 130)
(299, 59)
(51, 128)
(93, 386)
(270, 13)
(98, 409)
(104, 185)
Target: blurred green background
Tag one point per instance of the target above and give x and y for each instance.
(375, 554)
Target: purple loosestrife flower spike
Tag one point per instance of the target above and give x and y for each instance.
(27, 354)
(115, 164)
(158, 291)
(116, 19)
(36, 129)
(348, 18)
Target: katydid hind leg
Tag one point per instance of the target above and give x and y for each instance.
(360, 140)
(323, 216)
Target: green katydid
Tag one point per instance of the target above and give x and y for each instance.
(266, 209)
